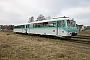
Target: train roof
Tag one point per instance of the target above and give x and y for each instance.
(21, 24)
(55, 19)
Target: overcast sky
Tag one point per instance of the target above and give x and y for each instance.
(19, 11)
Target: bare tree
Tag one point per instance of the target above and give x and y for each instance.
(40, 18)
(48, 18)
(31, 19)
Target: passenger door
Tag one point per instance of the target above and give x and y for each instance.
(60, 28)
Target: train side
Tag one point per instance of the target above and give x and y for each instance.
(55, 27)
(20, 28)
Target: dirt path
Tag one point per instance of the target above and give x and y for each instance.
(23, 47)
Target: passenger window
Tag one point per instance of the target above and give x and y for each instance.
(20, 26)
(31, 25)
(15, 26)
(23, 26)
(52, 24)
(45, 24)
(34, 25)
(38, 25)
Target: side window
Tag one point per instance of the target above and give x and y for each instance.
(52, 24)
(15, 26)
(31, 25)
(45, 24)
(19, 26)
(38, 25)
(23, 26)
(61, 23)
(35, 25)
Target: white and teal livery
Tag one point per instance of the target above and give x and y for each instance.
(60, 27)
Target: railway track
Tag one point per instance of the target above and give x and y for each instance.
(73, 42)
(77, 39)
(83, 39)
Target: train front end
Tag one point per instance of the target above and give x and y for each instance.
(71, 28)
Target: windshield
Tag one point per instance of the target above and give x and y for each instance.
(71, 23)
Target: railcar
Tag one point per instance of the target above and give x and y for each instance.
(60, 27)
(21, 28)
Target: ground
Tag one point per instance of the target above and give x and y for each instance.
(27, 47)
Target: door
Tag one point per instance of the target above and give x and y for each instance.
(60, 28)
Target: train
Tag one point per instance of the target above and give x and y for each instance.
(59, 27)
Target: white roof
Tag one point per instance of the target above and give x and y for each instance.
(51, 20)
(21, 24)
(45, 21)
